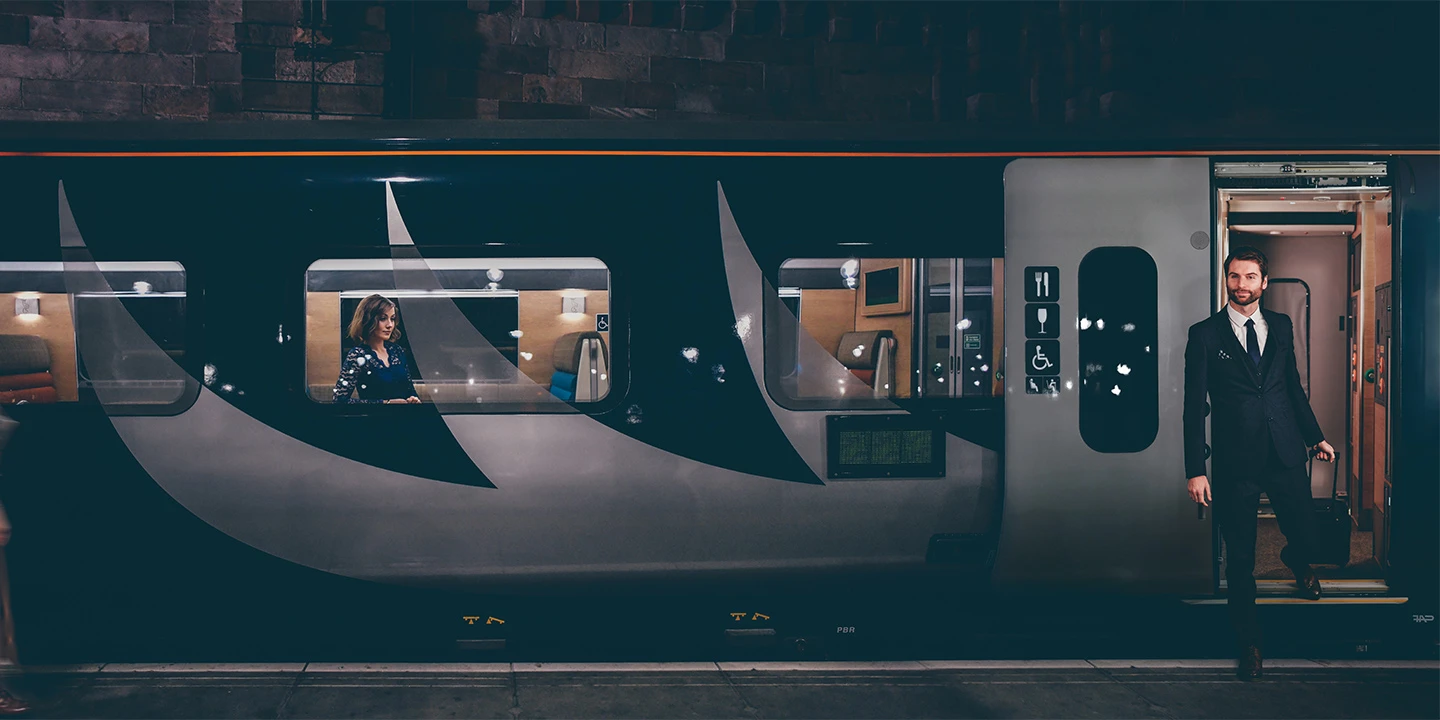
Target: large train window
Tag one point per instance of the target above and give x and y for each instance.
(479, 335)
(855, 333)
(114, 332)
(1120, 387)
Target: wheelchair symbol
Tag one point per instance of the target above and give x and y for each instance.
(1043, 357)
(1039, 361)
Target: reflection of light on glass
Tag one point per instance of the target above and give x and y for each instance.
(472, 381)
(527, 355)
(1084, 323)
(1128, 327)
(858, 351)
(1115, 390)
(940, 379)
(984, 368)
(517, 333)
(977, 383)
(210, 375)
(141, 287)
(887, 386)
(603, 376)
(227, 387)
(690, 354)
(1069, 385)
(742, 327)
(719, 372)
(1100, 324)
(1147, 348)
(1123, 369)
(964, 324)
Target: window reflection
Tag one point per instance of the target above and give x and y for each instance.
(862, 332)
(1119, 383)
(485, 334)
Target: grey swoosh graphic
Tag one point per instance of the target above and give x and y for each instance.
(576, 499)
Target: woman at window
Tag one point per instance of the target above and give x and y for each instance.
(375, 368)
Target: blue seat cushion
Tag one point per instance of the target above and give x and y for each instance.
(562, 385)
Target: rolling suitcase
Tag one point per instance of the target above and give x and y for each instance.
(1332, 525)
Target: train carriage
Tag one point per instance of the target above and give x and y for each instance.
(679, 363)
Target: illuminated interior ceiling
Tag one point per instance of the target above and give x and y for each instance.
(1331, 212)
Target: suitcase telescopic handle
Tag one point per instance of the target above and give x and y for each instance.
(1335, 474)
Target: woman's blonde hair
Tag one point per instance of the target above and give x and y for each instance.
(367, 316)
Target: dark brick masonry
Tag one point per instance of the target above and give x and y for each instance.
(1213, 66)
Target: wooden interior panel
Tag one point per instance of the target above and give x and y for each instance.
(900, 325)
(827, 315)
(56, 325)
(1365, 326)
(542, 324)
(1379, 229)
(322, 343)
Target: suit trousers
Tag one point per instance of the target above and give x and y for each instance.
(1236, 507)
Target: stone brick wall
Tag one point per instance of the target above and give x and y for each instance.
(1001, 65)
(191, 59)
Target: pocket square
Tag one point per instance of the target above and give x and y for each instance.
(1224, 355)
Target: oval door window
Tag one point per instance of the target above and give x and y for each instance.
(1118, 308)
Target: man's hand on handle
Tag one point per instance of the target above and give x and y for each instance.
(1199, 488)
(1324, 452)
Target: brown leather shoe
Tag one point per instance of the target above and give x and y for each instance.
(1250, 666)
(1308, 584)
(11, 705)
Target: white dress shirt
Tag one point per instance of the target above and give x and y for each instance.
(1237, 324)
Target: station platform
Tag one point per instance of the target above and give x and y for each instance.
(1202, 688)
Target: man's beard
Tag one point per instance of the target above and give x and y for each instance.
(1254, 298)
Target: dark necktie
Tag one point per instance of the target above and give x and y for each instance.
(1252, 342)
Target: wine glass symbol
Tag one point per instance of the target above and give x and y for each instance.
(1042, 314)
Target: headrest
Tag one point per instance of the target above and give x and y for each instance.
(568, 346)
(23, 354)
(857, 349)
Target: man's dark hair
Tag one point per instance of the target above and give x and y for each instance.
(1251, 254)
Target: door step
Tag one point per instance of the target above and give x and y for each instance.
(1342, 586)
(1336, 592)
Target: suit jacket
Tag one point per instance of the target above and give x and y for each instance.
(1250, 406)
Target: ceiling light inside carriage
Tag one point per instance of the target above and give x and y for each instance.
(849, 270)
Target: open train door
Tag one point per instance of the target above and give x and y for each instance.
(1107, 264)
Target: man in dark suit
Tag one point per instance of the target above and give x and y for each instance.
(1263, 430)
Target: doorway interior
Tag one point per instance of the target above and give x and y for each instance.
(1326, 229)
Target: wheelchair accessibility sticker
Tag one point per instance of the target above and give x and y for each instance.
(1042, 357)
